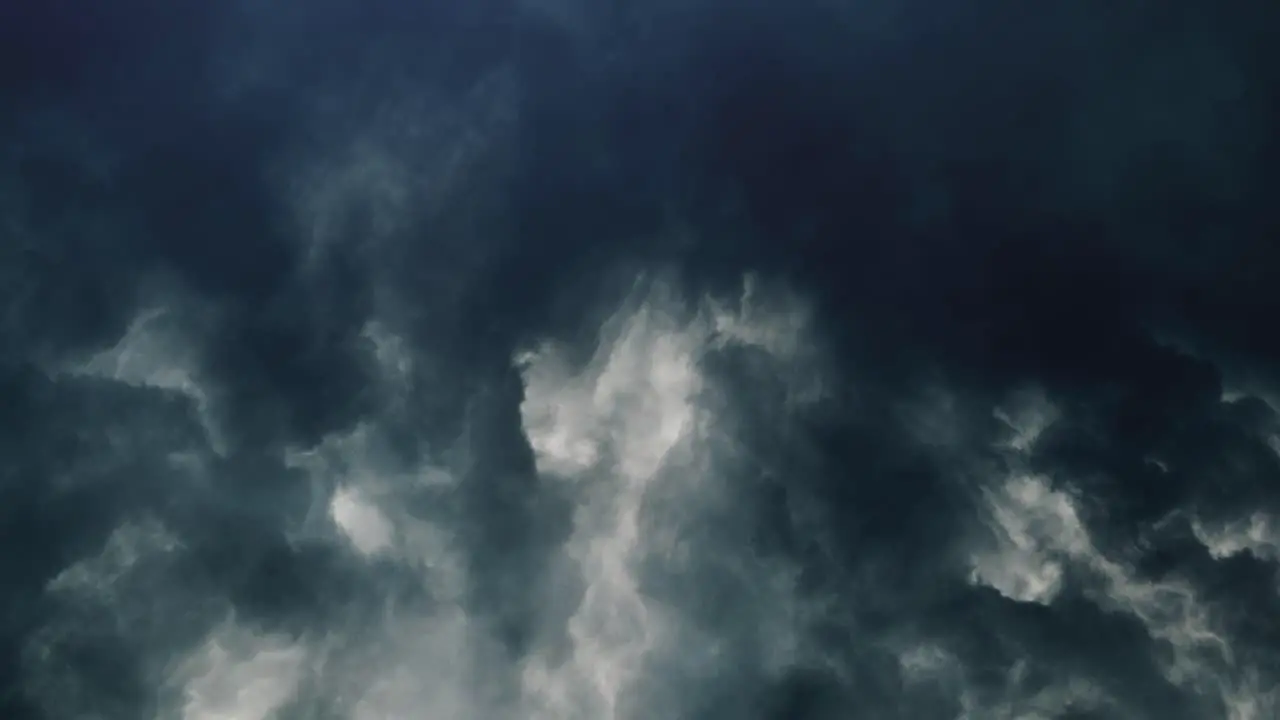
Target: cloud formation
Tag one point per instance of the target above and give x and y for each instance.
(545, 361)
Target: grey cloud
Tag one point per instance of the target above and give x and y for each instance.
(398, 362)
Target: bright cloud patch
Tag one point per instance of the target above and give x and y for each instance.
(1036, 530)
(239, 675)
(626, 430)
(365, 525)
(1256, 534)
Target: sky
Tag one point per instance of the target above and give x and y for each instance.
(555, 360)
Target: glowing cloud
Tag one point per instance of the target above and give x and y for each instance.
(624, 431)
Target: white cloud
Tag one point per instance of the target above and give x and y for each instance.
(1256, 535)
(621, 436)
(427, 659)
(362, 522)
(437, 666)
(621, 432)
(633, 405)
(557, 414)
(1037, 529)
(240, 675)
(361, 495)
(1039, 535)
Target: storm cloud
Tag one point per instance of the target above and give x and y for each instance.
(556, 360)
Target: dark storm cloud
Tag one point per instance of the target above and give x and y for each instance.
(331, 390)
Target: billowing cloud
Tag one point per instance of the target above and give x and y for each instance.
(510, 361)
(632, 436)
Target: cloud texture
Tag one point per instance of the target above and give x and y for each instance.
(568, 361)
